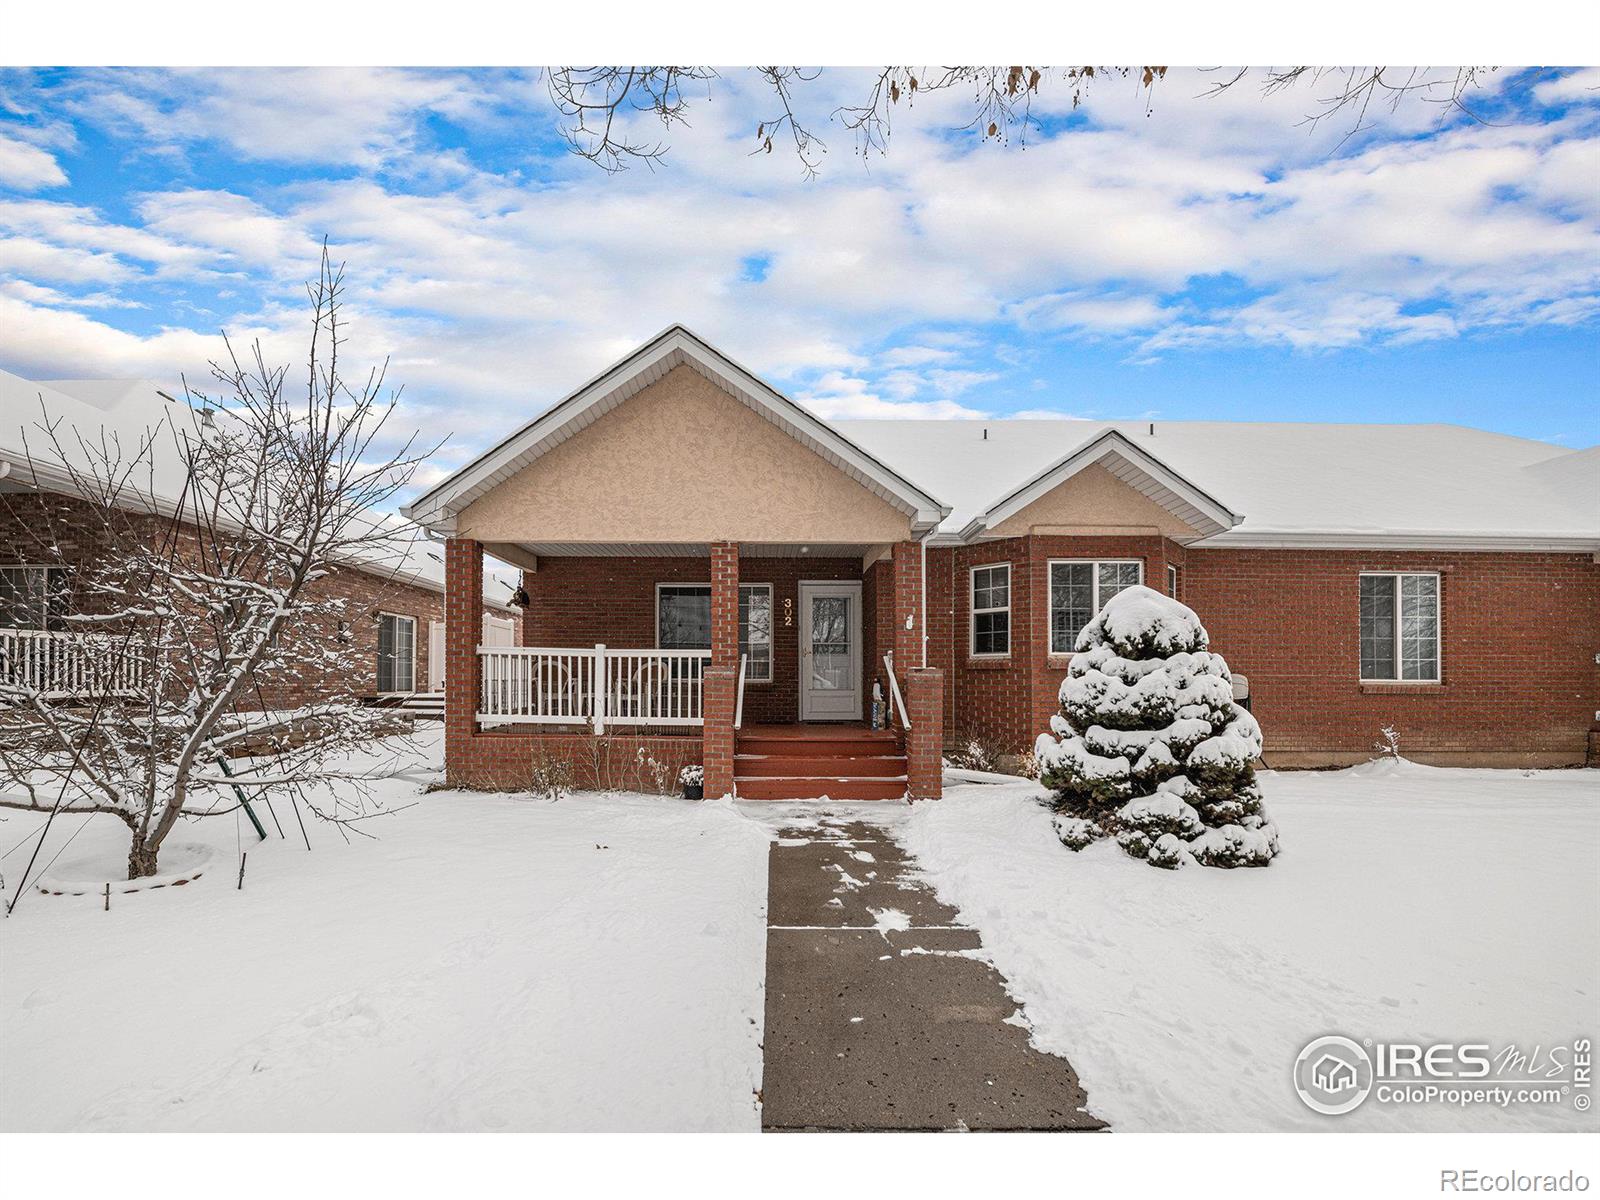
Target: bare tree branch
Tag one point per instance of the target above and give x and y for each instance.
(594, 102)
(179, 617)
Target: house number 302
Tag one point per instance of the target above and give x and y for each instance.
(788, 611)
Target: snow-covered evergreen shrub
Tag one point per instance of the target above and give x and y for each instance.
(1149, 747)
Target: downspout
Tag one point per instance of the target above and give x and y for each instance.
(922, 546)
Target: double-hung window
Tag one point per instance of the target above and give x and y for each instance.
(33, 597)
(1400, 627)
(683, 622)
(1079, 589)
(397, 653)
(991, 610)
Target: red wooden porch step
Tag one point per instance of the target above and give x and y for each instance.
(803, 762)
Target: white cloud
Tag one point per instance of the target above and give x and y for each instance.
(26, 168)
(1048, 414)
(1581, 86)
(837, 395)
(355, 116)
(1088, 311)
(494, 295)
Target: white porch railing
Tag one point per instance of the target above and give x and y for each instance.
(543, 685)
(894, 690)
(65, 665)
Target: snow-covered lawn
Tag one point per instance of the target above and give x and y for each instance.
(1410, 903)
(491, 962)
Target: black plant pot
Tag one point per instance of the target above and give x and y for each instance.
(694, 791)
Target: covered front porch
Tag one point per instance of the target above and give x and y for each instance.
(786, 670)
(699, 552)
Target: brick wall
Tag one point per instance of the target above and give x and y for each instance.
(581, 601)
(32, 522)
(1519, 634)
(517, 760)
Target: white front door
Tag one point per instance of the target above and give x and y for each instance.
(830, 651)
(436, 655)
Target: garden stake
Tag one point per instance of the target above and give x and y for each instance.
(243, 803)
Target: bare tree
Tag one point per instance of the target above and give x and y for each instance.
(593, 101)
(191, 613)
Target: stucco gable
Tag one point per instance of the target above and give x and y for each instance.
(681, 460)
(1093, 500)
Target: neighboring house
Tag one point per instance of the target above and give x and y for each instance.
(714, 572)
(396, 621)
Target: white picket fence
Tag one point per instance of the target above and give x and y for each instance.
(543, 685)
(66, 665)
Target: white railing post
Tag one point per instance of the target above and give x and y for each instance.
(600, 687)
(738, 704)
(894, 690)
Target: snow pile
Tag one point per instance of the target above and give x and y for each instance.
(1149, 747)
(488, 962)
(1394, 913)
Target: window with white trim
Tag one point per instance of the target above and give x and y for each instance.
(33, 597)
(1079, 589)
(397, 653)
(755, 630)
(1399, 627)
(991, 610)
(683, 622)
(1172, 581)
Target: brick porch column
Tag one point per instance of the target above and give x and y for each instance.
(907, 576)
(722, 676)
(725, 604)
(463, 630)
(924, 688)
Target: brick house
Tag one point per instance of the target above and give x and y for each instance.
(395, 609)
(716, 575)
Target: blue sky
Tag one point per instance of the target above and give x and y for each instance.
(1172, 256)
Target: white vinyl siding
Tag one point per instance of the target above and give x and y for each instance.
(1079, 589)
(1399, 629)
(397, 653)
(991, 611)
(683, 622)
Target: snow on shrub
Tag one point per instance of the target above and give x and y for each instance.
(1075, 833)
(1149, 747)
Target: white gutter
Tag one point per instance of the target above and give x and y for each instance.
(922, 547)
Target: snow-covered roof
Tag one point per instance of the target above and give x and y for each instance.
(1290, 484)
(127, 413)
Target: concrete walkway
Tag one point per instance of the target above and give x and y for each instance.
(879, 1012)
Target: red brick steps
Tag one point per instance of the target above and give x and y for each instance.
(757, 765)
(804, 762)
(813, 789)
